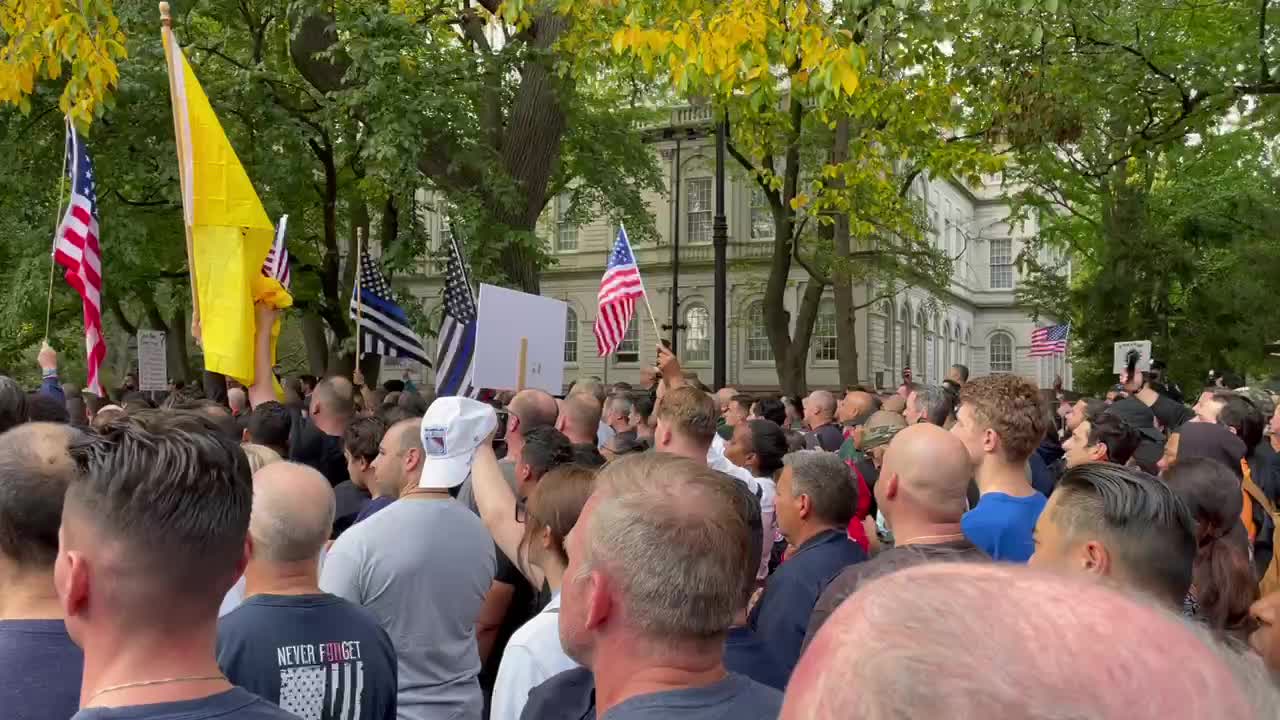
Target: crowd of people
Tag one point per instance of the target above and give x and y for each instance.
(974, 549)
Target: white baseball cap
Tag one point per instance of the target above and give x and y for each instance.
(452, 429)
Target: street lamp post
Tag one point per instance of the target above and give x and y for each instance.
(720, 243)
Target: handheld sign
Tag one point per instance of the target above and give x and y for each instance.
(1125, 351)
(519, 341)
(152, 370)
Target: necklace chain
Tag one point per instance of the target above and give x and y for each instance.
(148, 683)
(949, 536)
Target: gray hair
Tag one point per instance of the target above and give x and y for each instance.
(620, 404)
(590, 386)
(293, 510)
(667, 533)
(936, 403)
(943, 621)
(823, 477)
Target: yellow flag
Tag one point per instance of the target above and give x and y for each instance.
(229, 233)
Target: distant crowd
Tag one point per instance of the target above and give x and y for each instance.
(974, 549)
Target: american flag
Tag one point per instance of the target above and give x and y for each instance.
(1050, 340)
(457, 338)
(76, 248)
(384, 328)
(277, 263)
(616, 302)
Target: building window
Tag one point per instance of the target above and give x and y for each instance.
(1001, 353)
(920, 360)
(570, 336)
(699, 209)
(629, 348)
(758, 347)
(887, 356)
(824, 333)
(697, 334)
(1001, 264)
(946, 344)
(761, 215)
(902, 333)
(566, 233)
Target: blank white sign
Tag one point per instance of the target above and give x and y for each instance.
(507, 316)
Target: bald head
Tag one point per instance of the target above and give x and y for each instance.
(936, 641)
(819, 409)
(894, 404)
(333, 399)
(580, 418)
(931, 469)
(35, 470)
(293, 508)
(535, 408)
(237, 399)
(856, 404)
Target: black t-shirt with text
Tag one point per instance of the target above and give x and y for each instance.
(313, 655)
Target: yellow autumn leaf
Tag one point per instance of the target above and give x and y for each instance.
(846, 77)
(619, 41)
(799, 201)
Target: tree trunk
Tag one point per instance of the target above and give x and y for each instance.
(371, 366)
(315, 342)
(841, 282)
(177, 357)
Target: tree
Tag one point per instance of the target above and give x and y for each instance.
(503, 119)
(78, 43)
(833, 112)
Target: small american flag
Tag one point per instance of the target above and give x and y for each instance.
(76, 248)
(1048, 341)
(457, 337)
(277, 263)
(616, 302)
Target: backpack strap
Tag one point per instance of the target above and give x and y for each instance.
(1255, 492)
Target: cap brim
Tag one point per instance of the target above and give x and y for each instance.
(443, 473)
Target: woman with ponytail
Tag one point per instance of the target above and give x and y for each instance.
(531, 532)
(1223, 585)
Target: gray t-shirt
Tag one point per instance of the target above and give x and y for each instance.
(737, 697)
(467, 496)
(236, 703)
(422, 567)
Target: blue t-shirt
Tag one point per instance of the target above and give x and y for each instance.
(374, 506)
(41, 670)
(1002, 525)
(236, 703)
(746, 654)
(313, 655)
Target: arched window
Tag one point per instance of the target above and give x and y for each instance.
(697, 334)
(902, 336)
(570, 335)
(629, 348)
(945, 339)
(1000, 352)
(919, 360)
(966, 345)
(824, 333)
(758, 348)
(886, 359)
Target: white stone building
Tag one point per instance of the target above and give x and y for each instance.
(975, 322)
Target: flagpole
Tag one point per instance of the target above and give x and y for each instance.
(653, 320)
(359, 297)
(166, 36)
(57, 223)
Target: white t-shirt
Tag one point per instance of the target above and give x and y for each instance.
(532, 657)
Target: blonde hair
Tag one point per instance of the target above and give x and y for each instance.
(260, 456)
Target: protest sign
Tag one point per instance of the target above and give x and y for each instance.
(519, 341)
(1122, 351)
(153, 373)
